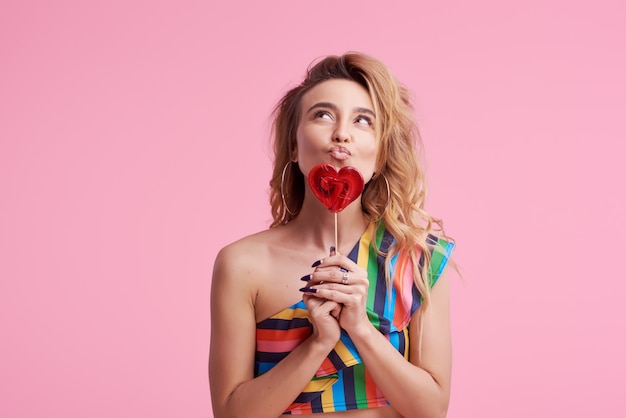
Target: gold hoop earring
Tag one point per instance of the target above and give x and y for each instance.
(282, 189)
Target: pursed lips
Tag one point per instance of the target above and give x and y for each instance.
(339, 153)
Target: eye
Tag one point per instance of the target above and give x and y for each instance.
(364, 120)
(323, 114)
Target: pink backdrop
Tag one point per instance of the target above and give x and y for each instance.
(133, 145)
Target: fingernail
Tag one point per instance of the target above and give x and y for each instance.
(317, 263)
(306, 278)
(341, 269)
(332, 250)
(308, 289)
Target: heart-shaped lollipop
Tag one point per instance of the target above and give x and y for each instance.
(335, 189)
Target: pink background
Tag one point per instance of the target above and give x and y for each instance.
(133, 145)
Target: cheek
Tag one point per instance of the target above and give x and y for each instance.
(302, 139)
(305, 150)
(370, 154)
(371, 149)
(309, 140)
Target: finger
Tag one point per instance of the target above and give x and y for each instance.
(333, 292)
(317, 306)
(336, 260)
(336, 310)
(335, 275)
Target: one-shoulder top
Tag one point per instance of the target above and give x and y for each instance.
(342, 381)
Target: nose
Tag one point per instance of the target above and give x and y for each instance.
(341, 133)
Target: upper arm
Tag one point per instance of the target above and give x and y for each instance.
(434, 354)
(233, 325)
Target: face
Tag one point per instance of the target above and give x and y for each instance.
(336, 127)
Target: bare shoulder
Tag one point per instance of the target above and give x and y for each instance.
(243, 260)
(238, 274)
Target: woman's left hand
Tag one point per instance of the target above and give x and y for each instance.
(339, 279)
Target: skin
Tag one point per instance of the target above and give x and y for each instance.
(258, 276)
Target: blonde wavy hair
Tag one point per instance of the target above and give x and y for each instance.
(404, 215)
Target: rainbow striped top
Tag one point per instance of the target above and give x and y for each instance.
(342, 381)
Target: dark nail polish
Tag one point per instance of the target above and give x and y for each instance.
(317, 263)
(308, 289)
(341, 269)
(332, 249)
(306, 278)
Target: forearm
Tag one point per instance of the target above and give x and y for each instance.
(271, 393)
(411, 390)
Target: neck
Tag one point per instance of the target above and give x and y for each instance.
(317, 224)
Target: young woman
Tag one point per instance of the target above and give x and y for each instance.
(361, 330)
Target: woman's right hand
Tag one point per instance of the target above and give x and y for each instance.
(324, 316)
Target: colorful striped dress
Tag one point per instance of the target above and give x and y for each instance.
(342, 381)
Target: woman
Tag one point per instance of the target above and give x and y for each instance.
(365, 332)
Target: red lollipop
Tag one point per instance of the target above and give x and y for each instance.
(335, 189)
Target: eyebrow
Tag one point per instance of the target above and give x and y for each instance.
(332, 106)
